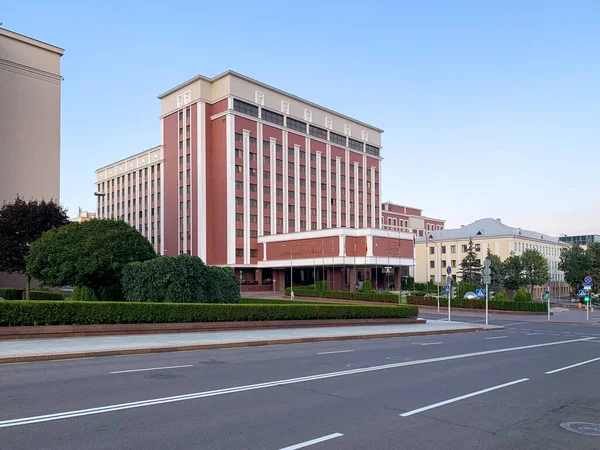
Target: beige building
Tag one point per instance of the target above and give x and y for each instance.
(30, 84)
(447, 248)
(83, 216)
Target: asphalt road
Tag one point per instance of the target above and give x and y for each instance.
(487, 390)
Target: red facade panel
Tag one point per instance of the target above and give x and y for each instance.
(171, 177)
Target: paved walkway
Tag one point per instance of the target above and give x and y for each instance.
(61, 348)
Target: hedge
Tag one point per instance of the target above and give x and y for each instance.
(181, 279)
(276, 301)
(385, 297)
(89, 313)
(44, 295)
(11, 294)
(522, 296)
(479, 304)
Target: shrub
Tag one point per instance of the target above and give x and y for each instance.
(420, 287)
(463, 288)
(82, 293)
(367, 286)
(321, 286)
(522, 296)
(501, 297)
(407, 283)
(181, 279)
(44, 295)
(88, 313)
(276, 301)
(11, 294)
(479, 304)
(386, 297)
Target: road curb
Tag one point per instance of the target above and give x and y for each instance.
(180, 348)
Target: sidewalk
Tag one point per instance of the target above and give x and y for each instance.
(83, 347)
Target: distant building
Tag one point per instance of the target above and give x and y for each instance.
(409, 220)
(582, 240)
(29, 118)
(83, 216)
(441, 249)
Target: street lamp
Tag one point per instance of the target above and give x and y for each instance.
(291, 271)
(438, 268)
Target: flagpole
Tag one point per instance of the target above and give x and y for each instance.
(314, 265)
(387, 278)
(332, 264)
(323, 255)
(376, 268)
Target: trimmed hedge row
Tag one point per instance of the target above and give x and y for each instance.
(386, 297)
(19, 294)
(275, 301)
(89, 313)
(480, 304)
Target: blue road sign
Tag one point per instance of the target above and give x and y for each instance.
(588, 286)
(480, 293)
(447, 289)
(581, 293)
(587, 279)
(449, 270)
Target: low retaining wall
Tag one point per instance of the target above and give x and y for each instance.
(59, 331)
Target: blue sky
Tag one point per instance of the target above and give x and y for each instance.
(491, 109)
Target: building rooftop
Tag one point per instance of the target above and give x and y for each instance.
(31, 41)
(488, 227)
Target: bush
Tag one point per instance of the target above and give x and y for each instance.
(501, 297)
(386, 297)
(82, 293)
(420, 287)
(11, 294)
(276, 301)
(463, 288)
(479, 304)
(89, 313)
(44, 295)
(407, 284)
(367, 286)
(321, 286)
(181, 279)
(522, 296)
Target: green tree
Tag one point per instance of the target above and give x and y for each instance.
(575, 263)
(90, 254)
(535, 268)
(592, 254)
(22, 223)
(513, 273)
(470, 267)
(497, 275)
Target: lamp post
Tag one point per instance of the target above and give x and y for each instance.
(439, 263)
(291, 271)
(99, 195)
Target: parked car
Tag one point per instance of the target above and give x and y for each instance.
(470, 296)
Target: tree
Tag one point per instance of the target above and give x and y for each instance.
(575, 263)
(535, 268)
(497, 275)
(470, 267)
(592, 254)
(513, 273)
(91, 254)
(22, 223)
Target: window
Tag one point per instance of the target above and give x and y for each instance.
(464, 248)
(239, 233)
(372, 150)
(278, 148)
(252, 141)
(432, 264)
(324, 173)
(443, 248)
(351, 180)
(317, 132)
(279, 206)
(291, 208)
(443, 264)
(239, 217)
(245, 108)
(343, 178)
(266, 205)
(302, 168)
(313, 172)
(253, 253)
(453, 249)
(253, 203)
(313, 157)
(253, 218)
(272, 117)
(291, 194)
(290, 152)
(252, 172)
(291, 180)
(302, 196)
(266, 160)
(477, 247)
(302, 182)
(187, 142)
(432, 250)
(303, 224)
(239, 252)
(279, 222)
(279, 192)
(323, 186)
(187, 113)
(303, 210)
(266, 145)
(356, 145)
(239, 137)
(253, 156)
(291, 223)
(313, 184)
(180, 115)
(302, 154)
(238, 169)
(279, 163)
(239, 185)
(238, 154)
(266, 175)
(337, 138)
(279, 178)
(267, 222)
(253, 188)
(290, 166)
(313, 198)
(296, 125)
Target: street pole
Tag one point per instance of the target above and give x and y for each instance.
(449, 293)
(291, 273)
(587, 309)
(487, 297)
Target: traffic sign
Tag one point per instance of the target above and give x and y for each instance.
(588, 286)
(487, 263)
(581, 293)
(449, 279)
(447, 289)
(449, 270)
(487, 271)
(487, 279)
(480, 293)
(587, 279)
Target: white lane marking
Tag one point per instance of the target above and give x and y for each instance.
(515, 323)
(462, 397)
(313, 441)
(152, 368)
(339, 351)
(496, 337)
(251, 387)
(574, 365)
(532, 334)
(426, 343)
